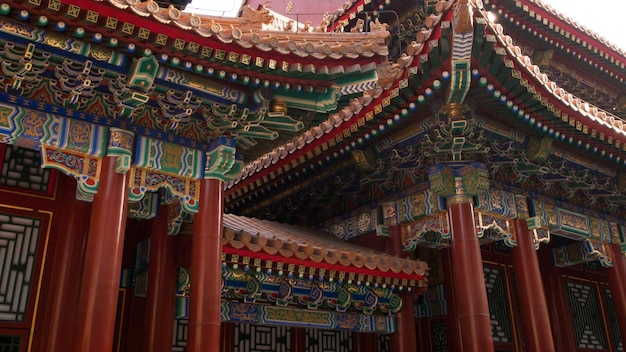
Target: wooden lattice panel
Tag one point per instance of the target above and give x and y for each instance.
(588, 327)
(498, 305)
(10, 343)
(179, 338)
(21, 169)
(18, 244)
(257, 338)
(613, 319)
(328, 341)
(383, 343)
(440, 336)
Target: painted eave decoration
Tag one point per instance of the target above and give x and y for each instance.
(421, 72)
(520, 111)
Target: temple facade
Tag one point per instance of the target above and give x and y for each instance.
(424, 176)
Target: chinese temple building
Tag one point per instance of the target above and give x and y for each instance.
(397, 176)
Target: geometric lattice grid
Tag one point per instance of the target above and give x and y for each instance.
(179, 338)
(383, 343)
(440, 338)
(21, 168)
(18, 245)
(498, 306)
(613, 319)
(328, 341)
(10, 343)
(588, 327)
(257, 338)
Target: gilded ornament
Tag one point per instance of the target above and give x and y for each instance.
(5, 112)
(418, 205)
(33, 123)
(121, 139)
(57, 40)
(172, 157)
(101, 53)
(79, 133)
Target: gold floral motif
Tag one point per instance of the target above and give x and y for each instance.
(574, 221)
(297, 315)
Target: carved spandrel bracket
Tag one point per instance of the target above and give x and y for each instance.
(540, 232)
(582, 252)
(430, 231)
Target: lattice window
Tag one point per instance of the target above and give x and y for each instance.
(440, 337)
(383, 343)
(500, 246)
(18, 244)
(21, 168)
(433, 303)
(613, 319)
(258, 338)
(10, 343)
(588, 327)
(328, 341)
(179, 338)
(498, 306)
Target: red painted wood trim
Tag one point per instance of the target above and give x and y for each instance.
(617, 283)
(206, 268)
(103, 262)
(470, 293)
(530, 293)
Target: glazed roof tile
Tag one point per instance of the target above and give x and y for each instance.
(312, 245)
(248, 32)
(406, 66)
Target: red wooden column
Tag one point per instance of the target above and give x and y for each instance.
(365, 342)
(617, 283)
(404, 340)
(298, 337)
(470, 292)
(206, 254)
(557, 300)
(452, 327)
(103, 262)
(458, 182)
(206, 269)
(70, 229)
(534, 309)
(160, 299)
